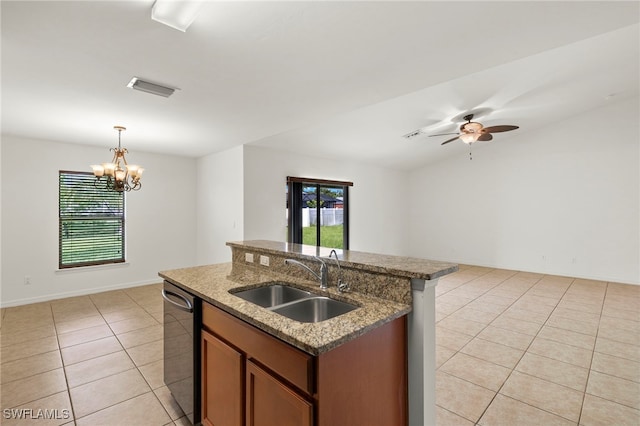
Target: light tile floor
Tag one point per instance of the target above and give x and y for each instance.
(516, 348)
(88, 360)
(513, 348)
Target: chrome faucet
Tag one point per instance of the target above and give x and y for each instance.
(342, 287)
(322, 277)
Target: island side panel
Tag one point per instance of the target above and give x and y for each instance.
(364, 382)
(422, 354)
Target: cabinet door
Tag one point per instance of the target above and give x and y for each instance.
(270, 402)
(222, 383)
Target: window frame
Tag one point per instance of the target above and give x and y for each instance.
(295, 205)
(64, 218)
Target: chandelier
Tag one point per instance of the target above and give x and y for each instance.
(118, 175)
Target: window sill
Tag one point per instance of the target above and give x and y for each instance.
(91, 268)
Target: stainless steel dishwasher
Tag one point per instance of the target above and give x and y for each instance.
(182, 318)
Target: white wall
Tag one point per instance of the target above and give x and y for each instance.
(160, 229)
(219, 204)
(568, 191)
(561, 200)
(377, 199)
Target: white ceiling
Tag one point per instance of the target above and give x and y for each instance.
(332, 79)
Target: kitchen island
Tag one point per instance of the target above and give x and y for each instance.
(384, 288)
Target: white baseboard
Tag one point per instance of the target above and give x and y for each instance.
(567, 274)
(82, 292)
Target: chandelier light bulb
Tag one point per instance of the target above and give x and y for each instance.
(98, 170)
(121, 175)
(109, 168)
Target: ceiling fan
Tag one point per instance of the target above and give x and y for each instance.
(472, 131)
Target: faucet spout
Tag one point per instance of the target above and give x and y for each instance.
(322, 277)
(342, 287)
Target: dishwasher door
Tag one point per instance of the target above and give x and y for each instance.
(182, 317)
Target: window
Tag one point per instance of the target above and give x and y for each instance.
(318, 212)
(91, 222)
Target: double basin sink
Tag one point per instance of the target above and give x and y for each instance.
(294, 303)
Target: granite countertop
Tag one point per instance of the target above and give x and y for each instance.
(213, 282)
(401, 266)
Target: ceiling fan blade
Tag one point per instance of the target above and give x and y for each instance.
(498, 129)
(485, 137)
(450, 140)
(444, 134)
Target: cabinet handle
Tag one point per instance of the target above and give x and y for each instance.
(187, 308)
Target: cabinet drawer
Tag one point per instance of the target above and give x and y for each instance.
(293, 365)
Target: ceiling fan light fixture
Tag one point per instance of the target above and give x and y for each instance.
(470, 137)
(472, 131)
(176, 14)
(472, 127)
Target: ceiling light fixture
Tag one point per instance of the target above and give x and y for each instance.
(470, 132)
(470, 137)
(119, 176)
(153, 88)
(177, 14)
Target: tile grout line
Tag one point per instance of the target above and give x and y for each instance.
(138, 366)
(171, 421)
(114, 334)
(64, 370)
(42, 372)
(586, 385)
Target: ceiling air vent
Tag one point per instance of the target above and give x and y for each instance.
(412, 134)
(153, 88)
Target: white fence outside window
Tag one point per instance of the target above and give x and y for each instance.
(328, 217)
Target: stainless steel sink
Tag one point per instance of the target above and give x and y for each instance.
(295, 304)
(272, 295)
(314, 309)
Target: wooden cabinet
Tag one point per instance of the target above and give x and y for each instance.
(270, 402)
(222, 383)
(252, 378)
